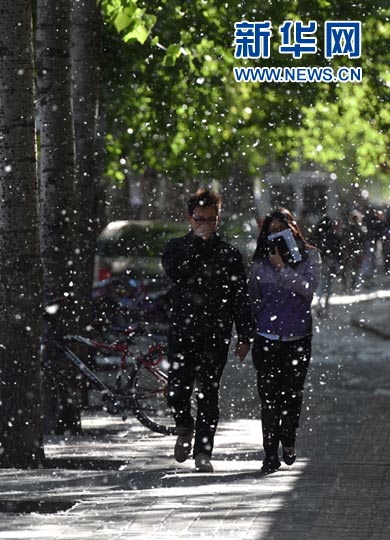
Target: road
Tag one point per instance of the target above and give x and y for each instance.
(119, 481)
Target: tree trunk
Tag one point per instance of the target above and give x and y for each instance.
(57, 163)
(101, 184)
(85, 46)
(20, 295)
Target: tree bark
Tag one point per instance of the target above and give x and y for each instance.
(56, 145)
(85, 49)
(20, 294)
(57, 163)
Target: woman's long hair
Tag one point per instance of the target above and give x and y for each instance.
(286, 217)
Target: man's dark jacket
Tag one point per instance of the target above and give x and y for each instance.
(209, 289)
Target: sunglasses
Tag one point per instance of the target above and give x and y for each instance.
(201, 220)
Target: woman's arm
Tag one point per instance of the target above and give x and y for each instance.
(304, 283)
(242, 312)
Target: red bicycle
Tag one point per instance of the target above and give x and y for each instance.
(139, 386)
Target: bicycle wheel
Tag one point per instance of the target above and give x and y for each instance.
(148, 388)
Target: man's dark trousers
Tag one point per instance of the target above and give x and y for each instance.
(196, 360)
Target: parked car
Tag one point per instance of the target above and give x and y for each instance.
(134, 248)
(129, 279)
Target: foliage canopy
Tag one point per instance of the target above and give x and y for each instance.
(173, 104)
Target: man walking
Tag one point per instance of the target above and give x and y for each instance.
(209, 292)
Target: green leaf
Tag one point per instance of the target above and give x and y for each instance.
(172, 54)
(174, 50)
(122, 21)
(140, 34)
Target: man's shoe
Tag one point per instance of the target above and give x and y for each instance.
(270, 465)
(289, 455)
(203, 463)
(183, 447)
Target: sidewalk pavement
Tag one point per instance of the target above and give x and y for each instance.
(119, 481)
(374, 318)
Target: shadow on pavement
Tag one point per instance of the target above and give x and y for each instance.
(84, 463)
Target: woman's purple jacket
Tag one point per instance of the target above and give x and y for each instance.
(281, 298)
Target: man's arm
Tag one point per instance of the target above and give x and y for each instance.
(242, 312)
(254, 289)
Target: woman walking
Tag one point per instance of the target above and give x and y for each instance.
(282, 283)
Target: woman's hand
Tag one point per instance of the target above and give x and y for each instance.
(275, 259)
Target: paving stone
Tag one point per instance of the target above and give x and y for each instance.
(123, 483)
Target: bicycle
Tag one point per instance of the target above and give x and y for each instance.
(140, 384)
